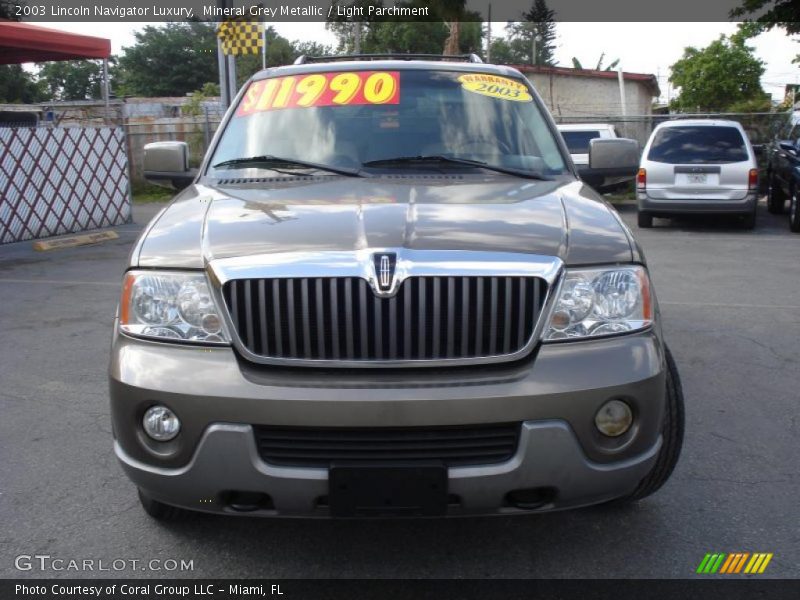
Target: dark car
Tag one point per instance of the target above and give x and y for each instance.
(783, 172)
(387, 292)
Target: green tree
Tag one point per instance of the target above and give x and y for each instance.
(169, 60)
(18, 85)
(8, 9)
(74, 79)
(784, 14)
(538, 25)
(611, 66)
(400, 36)
(280, 51)
(501, 53)
(720, 76)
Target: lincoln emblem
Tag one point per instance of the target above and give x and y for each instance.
(384, 270)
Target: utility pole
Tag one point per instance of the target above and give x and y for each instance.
(227, 67)
(536, 38)
(357, 37)
(621, 80)
(489, 35)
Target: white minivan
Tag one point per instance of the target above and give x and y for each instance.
(697, 166)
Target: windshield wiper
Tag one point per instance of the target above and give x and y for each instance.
(401, 160)
(270, 162)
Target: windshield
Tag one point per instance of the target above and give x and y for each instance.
(696, 145)
(349, 119)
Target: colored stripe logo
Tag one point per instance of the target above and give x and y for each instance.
(734, 563)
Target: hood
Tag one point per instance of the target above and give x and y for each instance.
(500, 214)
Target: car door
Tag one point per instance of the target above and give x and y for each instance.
(785, 159)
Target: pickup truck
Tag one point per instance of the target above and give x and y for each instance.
(578, 137)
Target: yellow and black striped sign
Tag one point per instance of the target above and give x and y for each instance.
(241, 37)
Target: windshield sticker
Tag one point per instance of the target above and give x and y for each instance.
(321, 89)
(495, 87)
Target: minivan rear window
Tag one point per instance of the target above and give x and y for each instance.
(700, 144)
(578, 141)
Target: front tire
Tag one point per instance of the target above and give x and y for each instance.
(794, 211)
(672, 437)
(775, 198)
(645, 220)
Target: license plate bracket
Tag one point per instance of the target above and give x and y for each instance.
(389, 489)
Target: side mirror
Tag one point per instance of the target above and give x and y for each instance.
(788, 146)
(611, 157)
(167, 164)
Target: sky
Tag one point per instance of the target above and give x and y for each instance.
(641, 47)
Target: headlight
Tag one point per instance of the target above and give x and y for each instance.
(594, 302)
(170, 306)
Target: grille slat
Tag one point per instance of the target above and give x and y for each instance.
(291, 317)
(318, 447)
(348, 315)
(305, 318)
(430, 318)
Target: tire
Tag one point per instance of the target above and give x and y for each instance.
(794, 211)
(672, 437)
(645, 220)
(775, 198)
(158, 510)
(749, 221)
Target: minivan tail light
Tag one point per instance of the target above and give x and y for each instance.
(752, 179)
(641, 179)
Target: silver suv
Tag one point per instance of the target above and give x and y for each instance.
(697, 166)
(386, 292)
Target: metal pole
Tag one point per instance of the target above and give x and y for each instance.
(264, 46)
(357, 38)
(489, 35)
(105, 89)
(533, 50)
(233, 87)
(621, 80)
(224, 96)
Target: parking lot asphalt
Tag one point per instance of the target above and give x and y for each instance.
(731, 311)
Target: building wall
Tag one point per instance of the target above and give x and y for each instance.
(575, 99)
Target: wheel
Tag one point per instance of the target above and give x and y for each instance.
(672, 437)
(794, 211)
(775, 199)
(159, 510)
(749, 221)
(645, 220)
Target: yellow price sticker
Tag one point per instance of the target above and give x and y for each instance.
(493, 86)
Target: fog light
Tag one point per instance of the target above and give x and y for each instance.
(160, 423)
(614, 418)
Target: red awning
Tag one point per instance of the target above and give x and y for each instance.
(21, 43)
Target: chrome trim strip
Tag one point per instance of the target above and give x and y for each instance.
(410, 263)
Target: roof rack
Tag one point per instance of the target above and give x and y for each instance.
(304, 59)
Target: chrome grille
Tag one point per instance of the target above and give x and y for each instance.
(341, 319)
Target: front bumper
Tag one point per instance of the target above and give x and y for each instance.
(555, 396)
(227, 460)
(699, 205)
